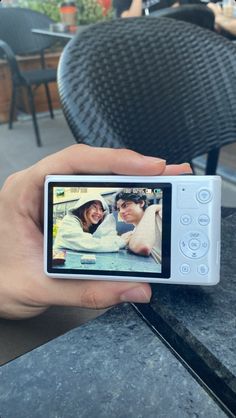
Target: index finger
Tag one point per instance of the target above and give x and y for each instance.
(83, 159)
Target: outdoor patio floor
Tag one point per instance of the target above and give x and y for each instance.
(18, 150)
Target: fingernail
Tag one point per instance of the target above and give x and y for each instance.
(186, 165)
(136, 294)
(159, 160)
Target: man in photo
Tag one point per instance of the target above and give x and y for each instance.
(146, 237)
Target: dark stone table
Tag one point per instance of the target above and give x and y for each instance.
(169, 365)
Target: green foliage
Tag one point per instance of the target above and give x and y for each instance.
(89, 11)
(48, 7)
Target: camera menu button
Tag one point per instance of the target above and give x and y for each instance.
(203, 219)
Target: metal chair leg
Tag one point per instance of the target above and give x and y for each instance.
(49, 100)
(212, 161)
(32, 108)
(12, 107)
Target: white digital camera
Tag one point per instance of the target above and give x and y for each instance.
(131, 228)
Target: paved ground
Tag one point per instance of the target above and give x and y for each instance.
(18, 147)
(18, 150)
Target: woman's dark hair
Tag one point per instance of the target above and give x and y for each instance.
(133, 197)
(79, 213)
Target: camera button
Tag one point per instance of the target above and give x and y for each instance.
(203, 269)
(203, 220)
(185, 268)
(186, 219)
(194, 244)
(204, 195)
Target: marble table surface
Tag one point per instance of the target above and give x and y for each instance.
(116, 366)
(111, 367)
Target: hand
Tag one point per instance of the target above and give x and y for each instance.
(25, 291)
(216, 8)
(221, 21)
(126, 237)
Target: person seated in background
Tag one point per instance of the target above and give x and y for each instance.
(223, 23)
(136, 8)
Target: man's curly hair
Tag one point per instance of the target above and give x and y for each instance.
(133, 197)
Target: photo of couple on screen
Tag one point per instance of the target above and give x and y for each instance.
(109, 220)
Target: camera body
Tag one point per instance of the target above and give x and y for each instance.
(179, 215)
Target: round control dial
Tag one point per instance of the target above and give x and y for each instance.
(194, 244)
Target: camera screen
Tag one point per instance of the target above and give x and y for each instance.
(115, 229)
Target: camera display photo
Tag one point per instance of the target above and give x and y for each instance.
(107, 229)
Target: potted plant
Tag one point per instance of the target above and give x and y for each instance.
(89, 11)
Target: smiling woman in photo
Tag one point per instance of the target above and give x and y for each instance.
(88, 226)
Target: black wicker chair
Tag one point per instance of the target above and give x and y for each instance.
(16, 38)
(193, 13)
(161, 89)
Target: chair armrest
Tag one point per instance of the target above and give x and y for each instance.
(11, 59)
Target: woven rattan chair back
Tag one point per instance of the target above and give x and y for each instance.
(162, 89)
